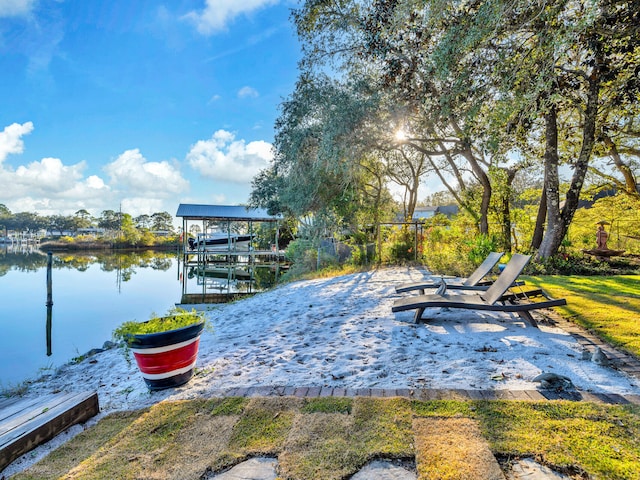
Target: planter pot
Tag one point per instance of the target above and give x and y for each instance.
(166, 359)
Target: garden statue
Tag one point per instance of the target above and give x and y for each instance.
(601, 238)
(602, 251)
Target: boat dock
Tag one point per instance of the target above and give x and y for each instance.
(227, 252)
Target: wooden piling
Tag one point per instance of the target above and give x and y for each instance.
(49, 300)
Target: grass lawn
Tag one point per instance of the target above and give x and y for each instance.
(607, 306)
(332, 438)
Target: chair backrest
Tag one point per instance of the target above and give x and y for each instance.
(484, 269)
(506, 278)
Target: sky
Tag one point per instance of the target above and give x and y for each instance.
(139, 105)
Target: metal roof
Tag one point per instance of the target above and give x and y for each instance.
(224, 212)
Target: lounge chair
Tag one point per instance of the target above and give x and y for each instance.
(470, 283)
(495, 298)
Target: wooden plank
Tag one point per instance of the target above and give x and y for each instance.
(5, 402)
(22, 413)
(16, 406)
(40, 422)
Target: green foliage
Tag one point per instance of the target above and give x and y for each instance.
(573, 263)
(399, 245)
(175, 318)
(481, 247)
(360, 254)
(304, 257)
(302, 254)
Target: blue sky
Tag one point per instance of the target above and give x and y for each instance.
(139, 103)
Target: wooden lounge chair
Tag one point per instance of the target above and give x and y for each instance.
(495, 298)
(470, 283)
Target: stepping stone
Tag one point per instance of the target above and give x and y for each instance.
(453, 445)
(382, 470)
(252, 469)
(527, 469)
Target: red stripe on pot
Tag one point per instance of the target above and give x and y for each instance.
(168, 359)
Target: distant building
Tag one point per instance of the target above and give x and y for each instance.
(424, 213)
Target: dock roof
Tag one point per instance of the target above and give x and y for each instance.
(224, 212)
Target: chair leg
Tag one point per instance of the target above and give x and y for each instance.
(527, 316)
(418, 316)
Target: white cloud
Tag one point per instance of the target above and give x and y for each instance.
(10, 138)
(131, 172)
(247, 92)
(218, 13)
(16, 8)
(50, 187)
(226, 159)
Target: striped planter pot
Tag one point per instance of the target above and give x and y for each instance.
(166, 359)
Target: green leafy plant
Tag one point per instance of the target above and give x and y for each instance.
(175, 318)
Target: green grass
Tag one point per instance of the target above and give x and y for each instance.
(607, 306)
(334, 438)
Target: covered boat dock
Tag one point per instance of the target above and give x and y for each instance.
(229, 268)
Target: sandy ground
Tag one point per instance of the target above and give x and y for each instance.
(341, 332)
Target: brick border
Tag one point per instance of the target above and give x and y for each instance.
(430, 394)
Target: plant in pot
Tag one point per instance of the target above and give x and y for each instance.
(164, 347)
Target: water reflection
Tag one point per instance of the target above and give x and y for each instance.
(94, 293)
(126, 263)
(220, 282)
(49, 300)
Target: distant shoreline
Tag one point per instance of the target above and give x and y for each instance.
(55, 246)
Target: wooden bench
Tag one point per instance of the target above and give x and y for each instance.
(27, 423)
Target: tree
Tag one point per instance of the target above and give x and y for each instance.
(27, 222)
(60, 223)
(162, 221)
(110, 220)
(129, 231)
(489, 87)
(142, 221)
(82, 219)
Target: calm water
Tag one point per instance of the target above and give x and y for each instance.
(92, 294)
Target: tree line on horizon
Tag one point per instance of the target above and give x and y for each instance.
(82, 220)
(495, 99)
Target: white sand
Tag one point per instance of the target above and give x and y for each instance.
(341, 332)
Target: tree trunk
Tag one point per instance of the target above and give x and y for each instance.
(483, 178)
(558, 221)
(505, 209)
(538, 231)
(553, 235)
(630, 184)
(480, 174)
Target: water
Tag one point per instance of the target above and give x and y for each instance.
(92, 295)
